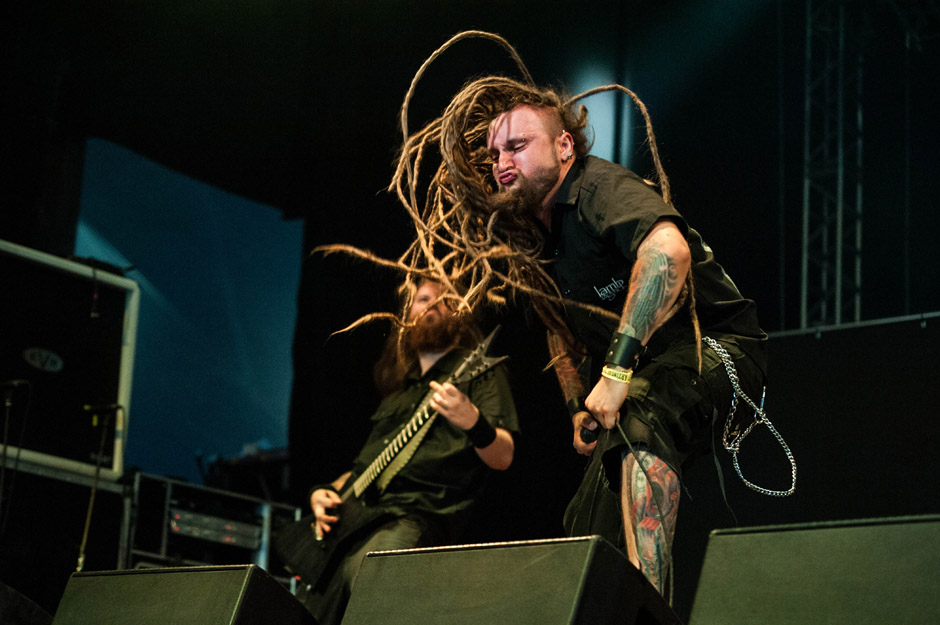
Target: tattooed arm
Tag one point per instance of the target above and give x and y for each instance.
(569, 378)
(662, 264)
(572, 387)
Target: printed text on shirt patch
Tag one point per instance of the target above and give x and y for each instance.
(609, 292)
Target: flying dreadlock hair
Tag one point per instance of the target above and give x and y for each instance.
(474, 247)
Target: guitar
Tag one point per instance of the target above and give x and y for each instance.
(309, 556)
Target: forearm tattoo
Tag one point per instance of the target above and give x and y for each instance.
(562, 362)
(654, 287)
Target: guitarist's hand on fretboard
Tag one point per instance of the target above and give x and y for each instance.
(324, 501)
(453, 405)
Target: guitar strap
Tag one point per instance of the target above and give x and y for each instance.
(404, 455)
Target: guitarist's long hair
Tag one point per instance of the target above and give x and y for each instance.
(398, 359)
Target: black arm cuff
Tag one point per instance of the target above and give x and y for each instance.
(624, 350)
(575, 406)
(327, 486)
(482, 434)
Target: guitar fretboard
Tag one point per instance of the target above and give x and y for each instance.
(421, 416)
(473, 365)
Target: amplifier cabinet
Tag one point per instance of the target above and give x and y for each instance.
(66, 361)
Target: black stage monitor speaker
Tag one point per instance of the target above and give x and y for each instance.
(16, 609)
(541, 582)
(205, 595)
(867, 571)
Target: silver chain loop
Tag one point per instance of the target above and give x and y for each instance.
(732, 439)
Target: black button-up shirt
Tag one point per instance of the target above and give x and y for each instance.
(601, 215)
(445, 475)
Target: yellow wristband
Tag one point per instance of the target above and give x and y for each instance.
(614, 374)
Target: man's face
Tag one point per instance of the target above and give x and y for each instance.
(424, 297)
(435, 329)
(526, 156)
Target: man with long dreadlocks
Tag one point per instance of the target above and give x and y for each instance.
(613, 243)
(627, 290)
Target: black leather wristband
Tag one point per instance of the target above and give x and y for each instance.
(482, 434)
(575, 406)
(326, 486)
(624, 350)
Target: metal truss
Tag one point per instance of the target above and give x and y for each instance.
(831, 263)
(919, 18)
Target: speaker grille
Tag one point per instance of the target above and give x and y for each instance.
(867, 571)
(578, 580)
(211, 595)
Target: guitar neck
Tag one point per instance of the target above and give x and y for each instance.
(473, 365)
(421, 416)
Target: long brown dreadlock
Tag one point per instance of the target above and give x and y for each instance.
(477, 250)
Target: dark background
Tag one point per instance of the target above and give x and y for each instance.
(294, 106)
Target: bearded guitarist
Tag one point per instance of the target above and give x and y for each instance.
(427, 501)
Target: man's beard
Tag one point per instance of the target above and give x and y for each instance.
(432, 333)
(518, 207)
(526, 195)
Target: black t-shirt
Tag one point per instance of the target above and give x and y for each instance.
(445, 474)
(601, 215)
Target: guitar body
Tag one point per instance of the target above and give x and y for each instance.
(309, 558)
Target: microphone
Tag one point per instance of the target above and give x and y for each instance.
(13, 383)
(101, 407)
(589, 436)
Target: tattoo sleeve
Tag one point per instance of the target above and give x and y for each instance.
(654, 288)
(569, 376)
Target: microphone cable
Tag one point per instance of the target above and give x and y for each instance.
(94, 483)
(7, 410)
